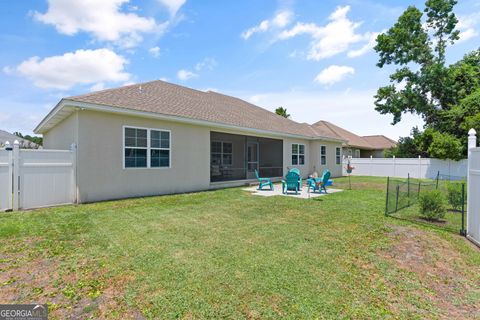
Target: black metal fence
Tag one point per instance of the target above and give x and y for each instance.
(402, 198)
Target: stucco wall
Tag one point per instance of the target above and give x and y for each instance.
(100, 159)
(287, 156)
(62, 135)
(335, 169)
(100, 172)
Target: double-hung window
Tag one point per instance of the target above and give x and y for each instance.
(323, 155)
(298, 154)
(146, 148)
(222, 153)
(338, 155)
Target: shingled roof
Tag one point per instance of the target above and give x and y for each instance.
(376, 142)
(380, 141)
(168, 99)
(24, 144)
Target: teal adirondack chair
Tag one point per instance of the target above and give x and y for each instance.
(291, 182)
(297, 171)
(262, 182)
(319, 184)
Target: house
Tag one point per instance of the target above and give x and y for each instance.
(357, 146)
(24, 144)
(161, 138)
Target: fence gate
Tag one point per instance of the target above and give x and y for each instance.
(36, 178)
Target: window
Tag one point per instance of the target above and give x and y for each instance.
(298, 154)
(357, 153)
(338, 155)
(146, 148)
(221, 153)
(323, 155)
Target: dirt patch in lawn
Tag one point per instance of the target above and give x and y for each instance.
(444, 276)
(72, 289)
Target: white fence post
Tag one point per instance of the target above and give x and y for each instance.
(16, 175)
(394, 175)
(472, 143)
(419, 167)
(8, 147)
(73, 148)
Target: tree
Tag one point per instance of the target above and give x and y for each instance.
(282, 112)
(34, 139)
(422, 84)
(410, 147)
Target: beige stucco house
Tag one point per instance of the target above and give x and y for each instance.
(357, 146)
(160, 138)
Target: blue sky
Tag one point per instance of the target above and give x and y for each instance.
(312, 57)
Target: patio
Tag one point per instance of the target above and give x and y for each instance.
(277, 191)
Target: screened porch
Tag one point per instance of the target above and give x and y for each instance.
(236, 157)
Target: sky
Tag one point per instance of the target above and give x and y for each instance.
(313, 57)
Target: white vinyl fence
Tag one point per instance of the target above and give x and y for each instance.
(401, 168)
(36, 178)
(6, 174)
(473, 200)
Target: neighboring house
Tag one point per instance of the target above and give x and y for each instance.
(160, 138)
(358, 146)
(24, 144)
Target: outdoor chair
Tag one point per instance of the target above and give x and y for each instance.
(319, 184)
(291, 182)
(262, 182)
(297, 171)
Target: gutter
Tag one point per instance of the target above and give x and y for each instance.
(152, 115)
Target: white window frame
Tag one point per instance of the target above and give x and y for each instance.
(357, 152)
(338, 155)
(323, 155)
(149, 148)
(221, 153)
(298, 154)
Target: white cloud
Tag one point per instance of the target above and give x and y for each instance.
(343, 108)
(155, 51)
(207, 63)
(97, 87)
(333, 74)
(331, 39)
(72, 68)
(103, 19)
(173, 5)
(185, 75)
(467, 25)
(372, 42)
(280, 20)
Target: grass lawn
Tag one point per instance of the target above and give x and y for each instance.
(228, 254)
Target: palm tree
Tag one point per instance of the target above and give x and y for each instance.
(282, 112)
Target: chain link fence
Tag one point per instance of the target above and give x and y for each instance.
(402, 200)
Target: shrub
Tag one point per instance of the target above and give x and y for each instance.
(432, 204)
(455, 195)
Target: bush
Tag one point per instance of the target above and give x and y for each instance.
(455, 195)
(432, 205)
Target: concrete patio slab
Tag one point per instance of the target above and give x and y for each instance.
(277, 191)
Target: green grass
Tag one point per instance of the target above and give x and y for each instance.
(228, 254)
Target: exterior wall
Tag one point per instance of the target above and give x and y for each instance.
(351, 151)
(100, 172)
(373, 153)
(287, 156)
(100, 159)
(62, 135)
(335, 169)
